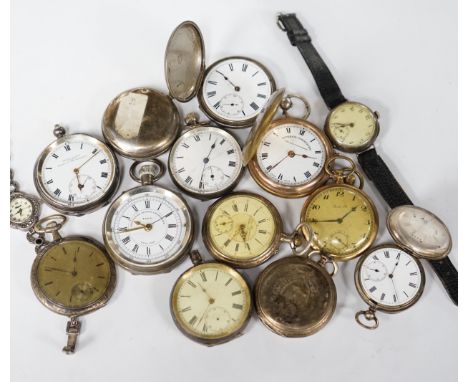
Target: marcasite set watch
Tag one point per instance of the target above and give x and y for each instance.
(150, 229)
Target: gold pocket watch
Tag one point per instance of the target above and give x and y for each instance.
(148, 229)
(296, 296)
(286, 156)
(24, 208)
(390, 278)
(205, 161)
(343, 217)
(71, 276)
(243, 229)
(143, 123)
(76, 174)
(210, 302)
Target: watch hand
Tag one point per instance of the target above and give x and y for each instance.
(236, 88)
(165, 216)
(295, 144)
(91, 157)
(324, 221)
(351, 124)
(394, 288)
(57, 269)
(211, 300)
(346, 214)
(80, 186)
(271, 168)
(120, 230)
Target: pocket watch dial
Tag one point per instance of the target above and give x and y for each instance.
(74, 274)
(291, 154)
(206, 161)
(344, 220)
(390, 277)
(236, 89)
(211, 301)
(76, 171)
(420, 230)
(21, 210)
(241, 227)
(148, 227)
(352, 126)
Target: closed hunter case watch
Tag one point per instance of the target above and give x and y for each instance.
(353, 127)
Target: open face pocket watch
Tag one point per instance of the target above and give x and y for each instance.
(390, 278)
(24, 208)
(343, 217)
(210, 302)
(243, 229)
(148, 229)
(296, 296)
(143, 123)
(76, 174)
(205, 161)
(71, 276)
(286, 156)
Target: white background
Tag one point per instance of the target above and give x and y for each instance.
(69, 60)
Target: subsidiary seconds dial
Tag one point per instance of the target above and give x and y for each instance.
(205, 162)
(235, 90)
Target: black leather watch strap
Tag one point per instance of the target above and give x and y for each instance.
(378, 172)
(448, 275)
(299, 37)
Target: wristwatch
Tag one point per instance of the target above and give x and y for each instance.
(353, 127)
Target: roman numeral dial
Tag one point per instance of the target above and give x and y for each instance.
(205, 161)
(211, 300)
(235, 90)
(391, 277)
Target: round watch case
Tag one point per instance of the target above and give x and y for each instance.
(192, 131)
(82, 208)
(272, 249)
(36, 206)
(147, 187)
(200, 266)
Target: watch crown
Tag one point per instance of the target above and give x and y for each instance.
(191, 119)
(376, 114)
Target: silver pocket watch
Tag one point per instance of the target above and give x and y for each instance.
(24, 208)
(205, 161)
(143, 123)
(148, 229)
(76, 174)
(390, 277)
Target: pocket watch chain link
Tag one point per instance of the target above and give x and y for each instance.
(73, 329)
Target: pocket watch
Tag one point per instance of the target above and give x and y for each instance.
(205, 161)
(76, 174)
(71, 276)
(389, 279)
(296, 296)
(210, 302)
(353, 127)
(148, 229)
(24, 208)
(343, 217)
(243, 229)
(286, 156)
(143, 123)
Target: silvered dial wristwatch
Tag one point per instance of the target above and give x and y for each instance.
(353, 127)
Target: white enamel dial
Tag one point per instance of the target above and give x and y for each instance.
(291, 154)
(236, 89)
(21, 210)
(391, 277)
(76, 171)
(205, 160)
(149, 227)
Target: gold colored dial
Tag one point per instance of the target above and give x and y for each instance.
(74, 274)
(211, 301)
(352, 126)
(344, 220)
(241, 227)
